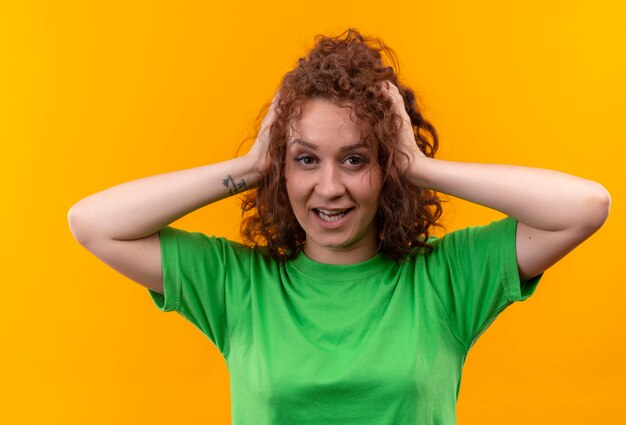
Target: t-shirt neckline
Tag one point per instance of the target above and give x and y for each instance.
(340, 272)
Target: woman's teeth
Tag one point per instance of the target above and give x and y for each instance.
(327, 215)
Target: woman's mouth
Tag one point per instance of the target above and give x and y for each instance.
(331, 216)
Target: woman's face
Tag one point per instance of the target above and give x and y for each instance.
(333, 184)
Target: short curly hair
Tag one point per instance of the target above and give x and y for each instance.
(345, 69)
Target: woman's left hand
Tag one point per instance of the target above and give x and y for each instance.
(410, 155)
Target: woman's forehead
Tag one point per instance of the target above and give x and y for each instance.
(325, 122)
(327, 111)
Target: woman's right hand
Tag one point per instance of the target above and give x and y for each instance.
(259, 150)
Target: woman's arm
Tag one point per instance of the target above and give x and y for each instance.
(555, 211)
(544, 199)
(139, 208)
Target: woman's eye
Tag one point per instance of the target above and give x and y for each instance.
(305, 160)
(355, 160)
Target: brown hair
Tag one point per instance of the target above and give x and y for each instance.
(345, 69)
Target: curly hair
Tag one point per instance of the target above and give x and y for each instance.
(345, 69)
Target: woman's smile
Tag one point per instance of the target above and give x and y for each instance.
(332, 219)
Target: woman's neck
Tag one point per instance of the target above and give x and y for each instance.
(344, 255)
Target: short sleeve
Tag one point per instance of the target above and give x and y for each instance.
(204, 280)
(480, 277)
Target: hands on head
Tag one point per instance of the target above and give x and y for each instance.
(409, 156)
(259, 150)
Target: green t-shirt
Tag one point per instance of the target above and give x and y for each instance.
(369, 343)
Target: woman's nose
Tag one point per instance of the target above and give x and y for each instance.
(330, 184)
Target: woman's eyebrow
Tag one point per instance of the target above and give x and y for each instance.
(303, 143)
(342, 149)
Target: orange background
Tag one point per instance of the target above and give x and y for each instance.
(97, 94)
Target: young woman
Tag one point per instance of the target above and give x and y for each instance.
(340, 308)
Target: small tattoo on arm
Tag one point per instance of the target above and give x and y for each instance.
(234, 187)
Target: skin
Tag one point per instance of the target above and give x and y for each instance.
(328, 166)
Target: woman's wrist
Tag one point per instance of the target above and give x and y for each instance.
(419, 170)
(252, 169)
